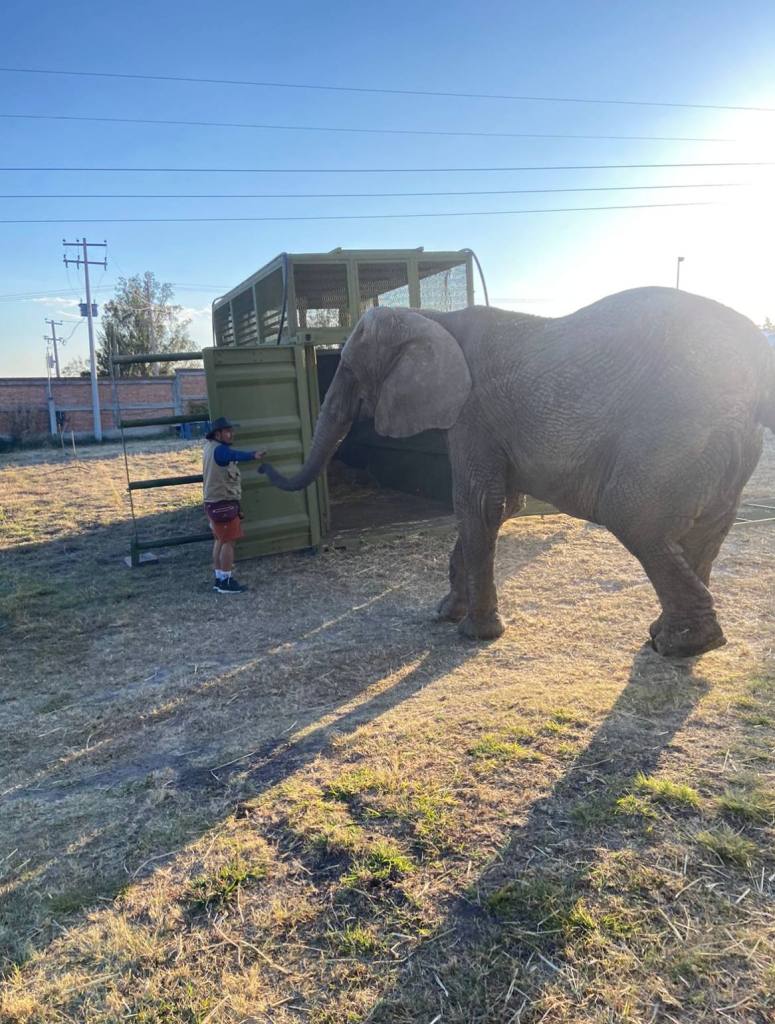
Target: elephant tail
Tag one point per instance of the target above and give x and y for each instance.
(766, 409)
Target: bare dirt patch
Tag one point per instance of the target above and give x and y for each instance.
(312, 804)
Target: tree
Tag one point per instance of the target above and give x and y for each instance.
(141, 319)
(76, 367)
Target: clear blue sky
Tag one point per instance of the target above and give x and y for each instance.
(693, 52)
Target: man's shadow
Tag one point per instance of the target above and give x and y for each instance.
(471, 940)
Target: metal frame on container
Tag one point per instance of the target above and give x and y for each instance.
(290, 333)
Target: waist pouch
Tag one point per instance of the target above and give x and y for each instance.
(222, 511)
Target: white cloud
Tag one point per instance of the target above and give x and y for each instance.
(195, 312)
(56, 300)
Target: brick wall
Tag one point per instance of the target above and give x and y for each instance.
(24, 407)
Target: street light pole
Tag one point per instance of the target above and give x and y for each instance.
(678, 263)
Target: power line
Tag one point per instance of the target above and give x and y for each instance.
(389, 92)
(391, 170)
(359, 131)
(358, 195)
(47, 292)
(352, 216)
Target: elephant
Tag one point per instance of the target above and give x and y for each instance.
(643, 412)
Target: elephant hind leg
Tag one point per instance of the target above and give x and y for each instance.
(702, 542)
(688, 625)
(700, 546)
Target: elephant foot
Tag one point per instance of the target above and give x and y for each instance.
(451, 609)
(488, 628)
(682, 639)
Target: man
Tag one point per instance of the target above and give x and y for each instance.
(222, 493)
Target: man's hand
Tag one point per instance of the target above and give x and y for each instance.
(258, 456)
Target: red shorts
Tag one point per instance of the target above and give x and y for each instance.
(225, 521)
(228, 532)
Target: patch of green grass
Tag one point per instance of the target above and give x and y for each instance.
(335, 1015)
(547, 908)
(520, 733)
(336, 841)
(691, 965)
(564, 716)
(617, 922)
(493, 748)
(758, 719)
(634, 806)
(624, 871)
(71, 901)
(763, 687)
(755, 806)
(433, 820)
(425, 808)
(665, 791)
(356, 940)
(566, 749)
(186, 1006)
(594, 812)
(221, 886)
(380, 861)
(756, 753)
(728, 845)
(746, 704)
(352, 784)
(552, 728)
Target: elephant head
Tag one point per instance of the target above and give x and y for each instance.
(398, 366)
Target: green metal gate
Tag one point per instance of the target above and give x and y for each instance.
(271, 392)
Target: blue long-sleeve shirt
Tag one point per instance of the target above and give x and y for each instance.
(224, 454)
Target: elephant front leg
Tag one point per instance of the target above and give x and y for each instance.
(454, 606)
(478, 540)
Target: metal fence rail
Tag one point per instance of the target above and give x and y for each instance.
(137, 545)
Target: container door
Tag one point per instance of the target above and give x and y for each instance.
(267, 392)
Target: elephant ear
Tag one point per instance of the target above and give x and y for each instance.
(418, 373)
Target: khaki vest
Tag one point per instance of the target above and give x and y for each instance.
(221, 483)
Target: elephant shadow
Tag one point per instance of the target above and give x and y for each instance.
(555, 839)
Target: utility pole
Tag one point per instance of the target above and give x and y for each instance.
(95, 391)
(53, 339)
(52, 418)
(678, 262)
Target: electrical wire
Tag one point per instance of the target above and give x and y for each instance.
(361, 195)
(390, 92)
(358, 131)
(389, 170)
(22, 296)
(353, 216)
(64, 341)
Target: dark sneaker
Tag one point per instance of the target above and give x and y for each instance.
(229, 586)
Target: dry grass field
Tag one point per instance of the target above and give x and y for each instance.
(311, 804)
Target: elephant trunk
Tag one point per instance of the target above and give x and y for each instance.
(336, 416)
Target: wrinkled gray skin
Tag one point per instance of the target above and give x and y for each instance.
(642, 412)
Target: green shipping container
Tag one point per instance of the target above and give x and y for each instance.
(278, 337)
